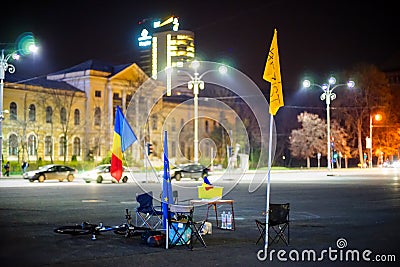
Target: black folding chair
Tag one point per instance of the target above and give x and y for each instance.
(182, 229)
(278, 224)
(146, 212)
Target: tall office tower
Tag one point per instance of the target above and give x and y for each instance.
(163, 45)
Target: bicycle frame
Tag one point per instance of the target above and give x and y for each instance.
(127, 229)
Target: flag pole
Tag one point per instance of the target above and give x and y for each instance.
(271, 74)
(271, 122)
(167, 190)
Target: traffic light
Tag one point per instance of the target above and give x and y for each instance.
(335, 156)
(149, 149)
(230, 151)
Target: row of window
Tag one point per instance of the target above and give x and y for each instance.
(173, 124)
(48, 145)
(49, 114)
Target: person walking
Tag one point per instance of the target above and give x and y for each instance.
(24, 166)
(7, 168)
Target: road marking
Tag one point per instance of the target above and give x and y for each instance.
(92, 200)
(128, 202)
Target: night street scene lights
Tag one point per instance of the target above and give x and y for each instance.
(25, 46)
(328, 95)
(376, 117)
(196, 83)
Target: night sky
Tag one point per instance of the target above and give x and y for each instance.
(314, 37)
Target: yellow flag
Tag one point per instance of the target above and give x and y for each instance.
(272, 74)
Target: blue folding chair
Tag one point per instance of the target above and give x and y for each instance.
(146, 212)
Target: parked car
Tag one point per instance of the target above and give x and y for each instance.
(102, 173)
(394, 164)
(51, 172)
(191, 170)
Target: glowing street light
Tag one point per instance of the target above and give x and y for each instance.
(25, 45)
(328, 95)
(197, 84)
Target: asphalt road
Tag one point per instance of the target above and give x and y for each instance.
(360, 208)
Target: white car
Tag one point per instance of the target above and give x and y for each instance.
(102, 173)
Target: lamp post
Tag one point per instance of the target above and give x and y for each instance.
(370, 139)
(328, 95)
(27, 45)
(377, 117)
(197, 84)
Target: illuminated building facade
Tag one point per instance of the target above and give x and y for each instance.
(163, 45)
(68, 114)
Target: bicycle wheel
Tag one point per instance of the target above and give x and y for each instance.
(121, 229)
(78, 229)
(130, 230)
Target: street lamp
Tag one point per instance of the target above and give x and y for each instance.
(377, 117)
(26, 45)
(197, 84)
(328, 95)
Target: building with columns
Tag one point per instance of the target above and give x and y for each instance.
(69, 113)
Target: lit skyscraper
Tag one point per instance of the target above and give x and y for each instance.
(163, 45)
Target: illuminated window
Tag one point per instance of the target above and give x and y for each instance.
(63, 115)
(13, 145)
(97, 147)
(32, 112)
(154, 64)
(48, 146)
(77, 117)
(13, 111)
(77, 146)
(62, 143)
(32, 145)
(49, 115)
(97, 116)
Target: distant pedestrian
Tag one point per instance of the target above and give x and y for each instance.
(7, 168)
(24, 166)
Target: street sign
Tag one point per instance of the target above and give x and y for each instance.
(368, 143)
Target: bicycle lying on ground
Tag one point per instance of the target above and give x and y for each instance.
(127, 229)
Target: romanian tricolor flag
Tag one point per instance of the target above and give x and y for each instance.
(123, 138)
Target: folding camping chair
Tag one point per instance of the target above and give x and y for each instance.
(146, 212)
(278, 224)
(182, 230)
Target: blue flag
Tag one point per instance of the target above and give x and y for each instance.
(128, 137)
(167, 197)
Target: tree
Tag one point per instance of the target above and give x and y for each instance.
(63, 100)
(311, 139)
(38, 126)
(339, 141)
(386, 141)
(371, 92)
